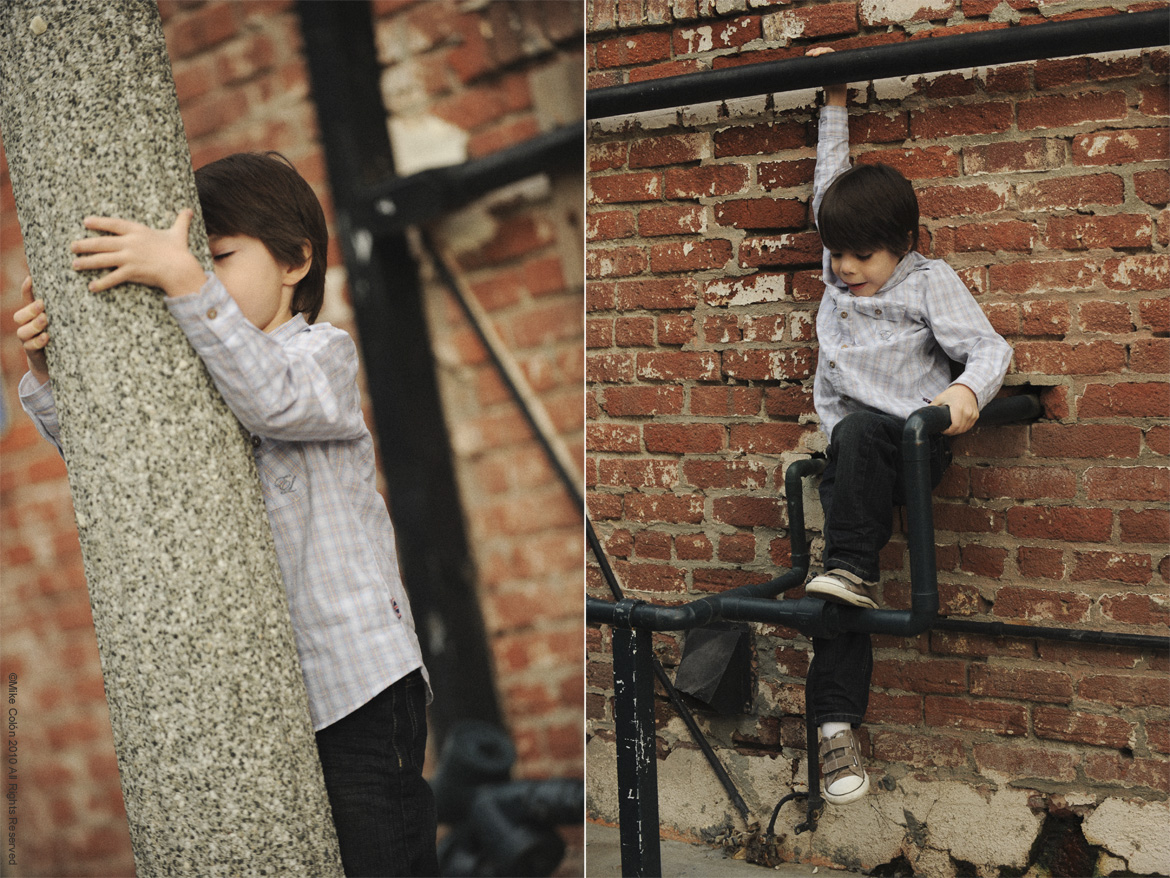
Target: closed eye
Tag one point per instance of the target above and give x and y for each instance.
(219, 256)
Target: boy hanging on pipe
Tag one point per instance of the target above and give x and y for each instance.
(889, 324)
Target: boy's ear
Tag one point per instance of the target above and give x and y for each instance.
(294, 274)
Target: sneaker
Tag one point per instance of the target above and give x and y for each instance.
(842, 587)
(842, 769)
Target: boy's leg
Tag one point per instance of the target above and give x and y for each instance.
(861, 485)
(838, 695)
(859, 488)
(865, 463)
(383, 809)
(838, 678)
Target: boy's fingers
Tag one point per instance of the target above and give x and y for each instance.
(30, 308)
(109, 281)
(114, 225)
(96, 261)
(26, 290)
(102, 244)
(27, 314)
(37, 342)
(28, 331)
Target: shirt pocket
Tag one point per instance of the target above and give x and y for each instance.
(282, 475)
(884, 321)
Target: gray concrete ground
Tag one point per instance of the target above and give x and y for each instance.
(603, 859)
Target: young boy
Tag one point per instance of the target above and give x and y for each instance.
(888, 325)
(292, 384)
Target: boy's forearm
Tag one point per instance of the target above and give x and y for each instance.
(832, 152)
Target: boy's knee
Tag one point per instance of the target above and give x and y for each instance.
(860, 427)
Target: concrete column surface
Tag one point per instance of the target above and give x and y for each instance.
(216, 753)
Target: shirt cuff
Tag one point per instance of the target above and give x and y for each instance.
(35, 398)
(208, 316)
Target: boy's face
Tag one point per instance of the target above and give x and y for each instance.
(261, 286)
(865, 272)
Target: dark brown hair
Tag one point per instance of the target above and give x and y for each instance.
(867, 208)
(261, 195)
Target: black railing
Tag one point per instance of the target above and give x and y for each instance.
(1002, 46)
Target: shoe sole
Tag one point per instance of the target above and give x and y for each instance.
(852, 796)
(838, 594)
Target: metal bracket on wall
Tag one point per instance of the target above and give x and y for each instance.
(400, 202)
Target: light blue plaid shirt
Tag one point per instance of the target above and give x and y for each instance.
(295, 389)
(890, 352)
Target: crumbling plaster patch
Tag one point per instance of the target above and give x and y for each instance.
(1133, 831)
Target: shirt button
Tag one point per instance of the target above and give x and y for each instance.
(844, 314)
(878, 312)
(212, 313)
(256, 440)
(832, 364)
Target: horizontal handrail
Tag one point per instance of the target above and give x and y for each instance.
(981, 49)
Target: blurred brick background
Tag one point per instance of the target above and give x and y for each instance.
(460, 80)
(1045, 185)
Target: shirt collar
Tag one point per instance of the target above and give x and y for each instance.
(910, 263)
(289, 328)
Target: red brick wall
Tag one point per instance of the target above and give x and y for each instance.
(242, 85)
(1045, 185)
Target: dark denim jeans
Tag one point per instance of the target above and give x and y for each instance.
(861, 485)
(383, 809)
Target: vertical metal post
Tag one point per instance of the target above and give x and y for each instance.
(637, 762)
(394, 336)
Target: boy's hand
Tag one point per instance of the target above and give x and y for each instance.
(140, 254)
(32, 330)
(964, 406)
(835, 95)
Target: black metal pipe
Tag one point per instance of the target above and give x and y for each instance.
(1010, 409)
(399, 202)
(1067, 635)
(637, 760)
(610, 614)
(815, 618)
(916, 438)
(395, 344)
(602, 561)
(1003, 46)
(713, 607)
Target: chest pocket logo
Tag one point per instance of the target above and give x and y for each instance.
(281, 491)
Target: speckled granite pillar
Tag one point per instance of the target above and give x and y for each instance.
(210, 718)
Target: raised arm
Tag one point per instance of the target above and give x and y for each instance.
(832, 140)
